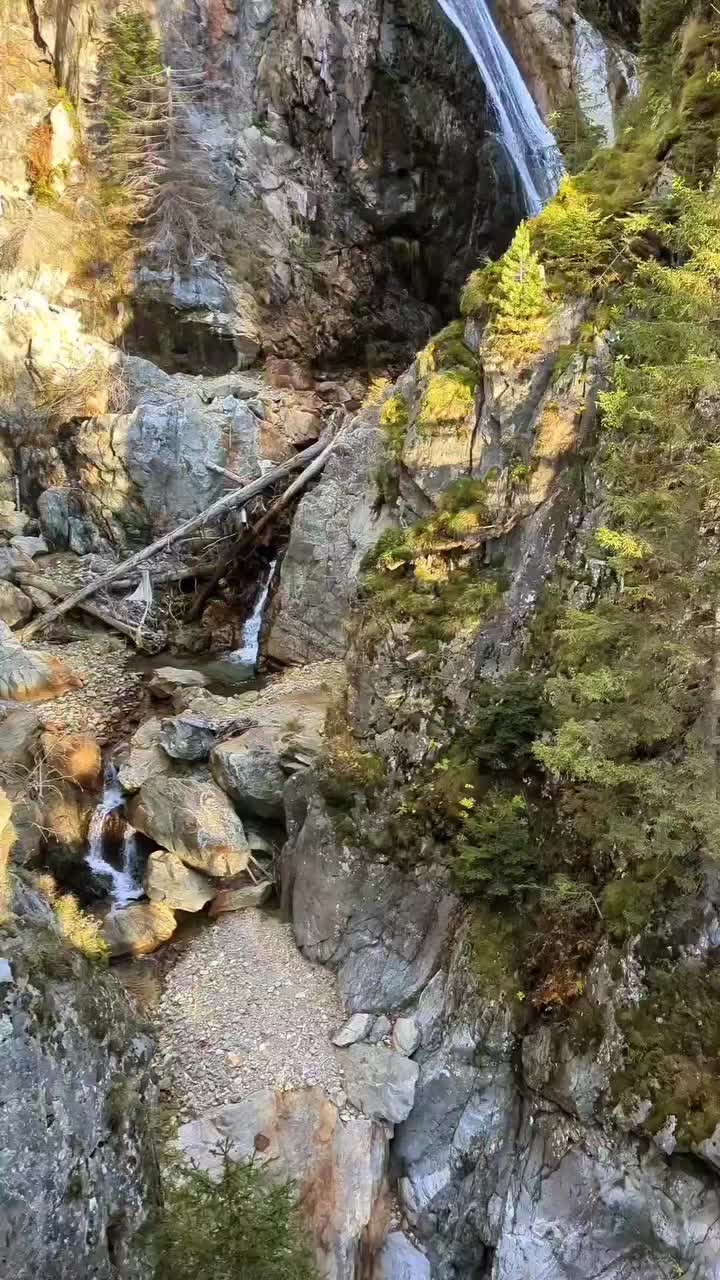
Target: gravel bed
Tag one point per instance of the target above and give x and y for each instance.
(243, 1010)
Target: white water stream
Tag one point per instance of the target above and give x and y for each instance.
(124, 888)
(528, 141)
(249, 649)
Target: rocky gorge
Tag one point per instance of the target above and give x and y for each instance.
(359, 822)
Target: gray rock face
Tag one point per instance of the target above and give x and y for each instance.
(546, 1193)
(603, 1207)
(147, 468)
(339, 1164)
(379, 1082)
(344, 147)
(194, 819)
(382, 932)
(400, 1260)
(76, 1159)
(334, 526)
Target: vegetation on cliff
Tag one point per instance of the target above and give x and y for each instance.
(583, 788)
(238, 1224)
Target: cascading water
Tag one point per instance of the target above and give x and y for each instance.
(124, 887)
(528, 142)
(249, 649)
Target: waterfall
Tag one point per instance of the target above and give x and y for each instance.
(527, 140)
(124, 888)
(248, 651)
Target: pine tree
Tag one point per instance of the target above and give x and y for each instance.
(518, 300)
(151, 150)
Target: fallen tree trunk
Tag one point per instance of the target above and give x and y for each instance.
(133, 633)
(229, 501)
(251, 535)
(164, 576)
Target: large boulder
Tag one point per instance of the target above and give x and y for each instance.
(335, 525)
(147, 467)
(14, 561)
(248, 769)
(15, 606)
(383, 931)
(194, 819)
(380, 1082)
(188, 737)
(138, 929)
(339, 1165)
(144, 758)
(168, 880)
(27, 676)
(243, 898)
(166, 680)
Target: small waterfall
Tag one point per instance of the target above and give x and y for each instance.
(248, 651)
(124, 887)
(529, 143)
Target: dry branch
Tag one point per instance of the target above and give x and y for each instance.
(251, 535)
(133, 633)
(229, 501)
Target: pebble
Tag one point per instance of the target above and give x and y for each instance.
(244, 1010)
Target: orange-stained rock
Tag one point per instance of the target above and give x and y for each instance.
(75, 756)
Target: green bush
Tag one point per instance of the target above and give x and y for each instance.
(395, 420)
(511, 294)
(497, 855)
(508, 715)
(240, 1225)
(447, 350)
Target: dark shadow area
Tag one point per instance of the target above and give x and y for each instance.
(176, 343)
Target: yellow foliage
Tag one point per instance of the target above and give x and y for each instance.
(376, 392)
(448, 399)
(78, 928)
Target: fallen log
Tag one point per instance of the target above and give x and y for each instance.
(229, 501)
(251, 535)
(164, 576)
(133, 633)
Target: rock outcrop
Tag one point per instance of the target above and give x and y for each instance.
(337, 1166)
(77, 1166)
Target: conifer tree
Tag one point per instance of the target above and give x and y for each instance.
(153, 149)
(519, 294)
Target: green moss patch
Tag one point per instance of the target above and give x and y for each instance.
(673, 1053)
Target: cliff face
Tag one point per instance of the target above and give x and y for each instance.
(483, 850)
(77, 1170)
